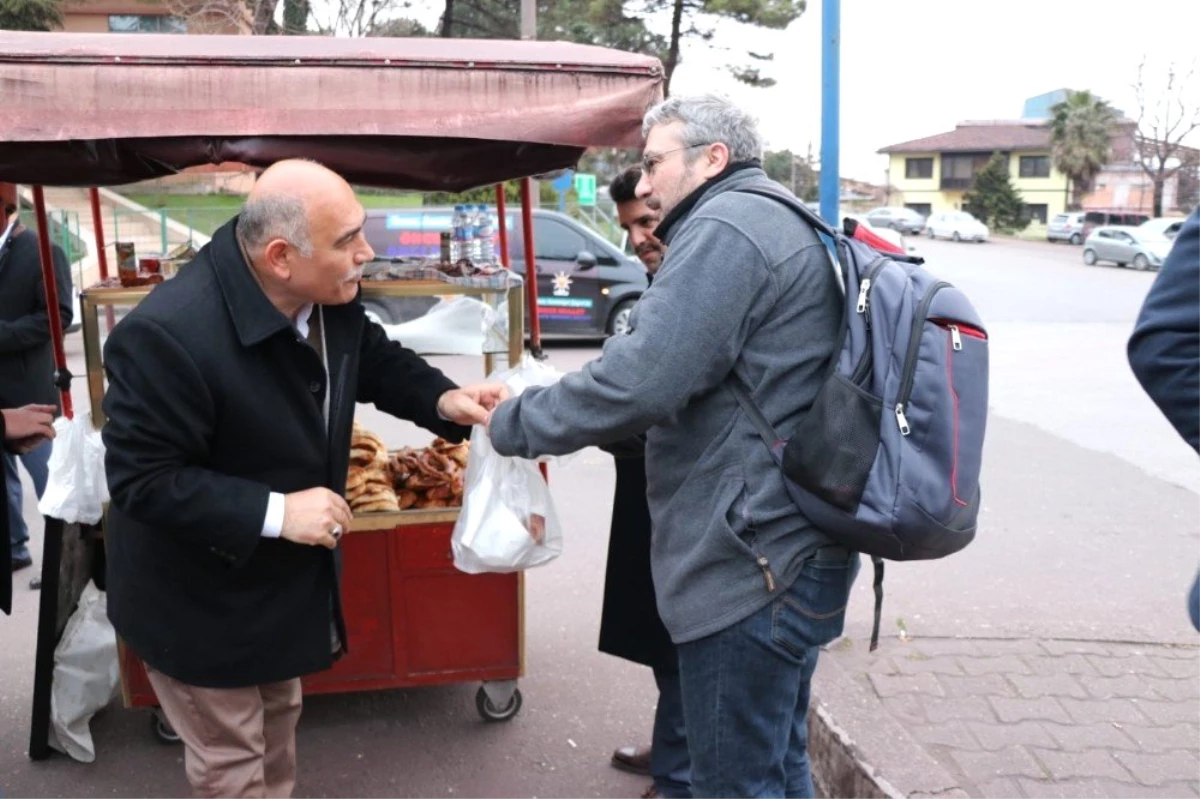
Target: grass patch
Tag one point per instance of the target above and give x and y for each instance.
(207, 212)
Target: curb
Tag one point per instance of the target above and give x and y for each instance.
(840, 767)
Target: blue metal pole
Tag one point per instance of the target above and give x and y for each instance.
(831, 23)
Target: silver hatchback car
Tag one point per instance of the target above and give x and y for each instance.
(1066, 227)
(1125, 246)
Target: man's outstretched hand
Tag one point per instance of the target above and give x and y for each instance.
(472, 404)
(27, 427)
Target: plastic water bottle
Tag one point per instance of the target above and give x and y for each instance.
(485, 232)
(461, 242)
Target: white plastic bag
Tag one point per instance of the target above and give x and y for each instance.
(86, 675)
(76, 487)
(508, 521)
(451, 327)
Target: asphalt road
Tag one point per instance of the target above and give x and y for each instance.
(1089, 530)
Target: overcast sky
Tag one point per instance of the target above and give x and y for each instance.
(913, 68)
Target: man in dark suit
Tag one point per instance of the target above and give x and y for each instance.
(26, 358)
(1164, 350)
(21, 429)
(630, 626)
(230, 403)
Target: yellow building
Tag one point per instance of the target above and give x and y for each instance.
(149, 16)
(934, 173)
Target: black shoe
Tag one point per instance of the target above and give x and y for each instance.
(22, 562)
(35, 583)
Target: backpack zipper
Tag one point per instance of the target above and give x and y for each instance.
(864, 301)
(910, 358)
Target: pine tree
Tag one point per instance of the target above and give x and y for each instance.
(994, 199)
(30, 15)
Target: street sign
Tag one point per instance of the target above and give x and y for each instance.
(562, 183)
(585, 189)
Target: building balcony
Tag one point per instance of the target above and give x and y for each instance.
(949, 184)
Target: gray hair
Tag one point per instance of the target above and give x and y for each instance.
(707, 119)
(274, 216)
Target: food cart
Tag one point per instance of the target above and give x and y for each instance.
(421, 114)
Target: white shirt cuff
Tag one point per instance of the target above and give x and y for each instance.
(273, 523)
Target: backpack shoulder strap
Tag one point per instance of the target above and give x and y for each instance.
(800, 208)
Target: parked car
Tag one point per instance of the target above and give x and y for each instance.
(1066, 227)
(887, 234)
(1123, 245)
(956, 225)
(1110, 217)
(904, 220)
(1165, 226)
(586, 286)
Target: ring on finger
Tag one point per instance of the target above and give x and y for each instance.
(336, 532)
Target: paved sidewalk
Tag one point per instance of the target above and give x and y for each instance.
(1008, 718)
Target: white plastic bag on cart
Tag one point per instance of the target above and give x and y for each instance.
(86, 675)
(76, 486)
(453, 326)
(508, 521)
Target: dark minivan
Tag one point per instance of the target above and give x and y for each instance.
(586, 286)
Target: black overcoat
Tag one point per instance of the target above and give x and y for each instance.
(214, 401)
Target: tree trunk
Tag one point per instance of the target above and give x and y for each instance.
(264, 15)
(673, 50)
(1160, 183)
(448, 19)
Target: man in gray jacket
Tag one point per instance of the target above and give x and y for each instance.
(747, 587)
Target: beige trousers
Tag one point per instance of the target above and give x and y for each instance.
(239, 742)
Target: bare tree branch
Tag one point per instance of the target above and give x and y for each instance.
(1162, 128)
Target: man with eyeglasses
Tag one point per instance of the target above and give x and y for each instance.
(748, 588)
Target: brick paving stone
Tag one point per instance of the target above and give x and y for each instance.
(1001, 646)
(1186, 668)
(1045, 708)
(1157, 769)
(1085, 789)
(946, 646)
(919, 663)
(1004, 664)
(1000, 787)
(1164, 713)
(1089, 764)
(906, 709)
(1162, 739)
(1010, 762)
(1074, 647)
(1081, 737)
(1129, 686)
(1180, 689)
(1047, 665)
(999, 736)
(970, 708)
(1092, 711)
(894, 684)
(983, 685)
(952, 733)
(1119, 667)
(1056, 685)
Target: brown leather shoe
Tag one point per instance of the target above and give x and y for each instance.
(635, 760)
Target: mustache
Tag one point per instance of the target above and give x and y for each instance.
(653, 203)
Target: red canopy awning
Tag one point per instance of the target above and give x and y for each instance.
(89, 109)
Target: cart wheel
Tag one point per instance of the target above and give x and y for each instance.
(490, 712)
(163, 730)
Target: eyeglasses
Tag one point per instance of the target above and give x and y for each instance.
(649, 162)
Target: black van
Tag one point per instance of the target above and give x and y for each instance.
(586, 286)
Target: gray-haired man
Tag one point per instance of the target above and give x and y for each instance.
(748, 588)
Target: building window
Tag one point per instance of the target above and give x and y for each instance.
(146, 23)
(958, 171)
(1035, 166)
(924, 209)
(1037, 212)
(918, 167)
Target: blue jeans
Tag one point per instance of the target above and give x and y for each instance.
(670, 765)
(36, 463)
(746, 688)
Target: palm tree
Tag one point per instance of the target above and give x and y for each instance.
(1080, 136)
(30, 15)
